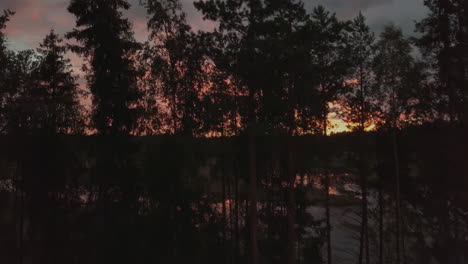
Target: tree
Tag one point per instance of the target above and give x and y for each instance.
(5, 59)
(359, 101)
(443, 40)
(287, 57)
(176, 61)
(331, 61)
(397, 78)
(106, 41)
(48, 107)
(55, 91)
(396, 75)
(359, 106)
(239, 32)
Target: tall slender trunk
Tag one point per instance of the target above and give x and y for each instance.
(327, 193)
(397, 194)
(223, 187)
(291, 205)
(367, 239)
(381, 215)
(292, 239)
(394, 127)
(364, 240)
(362, 234)
(236, 184)
(224, 213)
(230, 217)
(174, 113)
(252, 167)
(21, 212)
(327, 214)
(253, 197)
(236, 215)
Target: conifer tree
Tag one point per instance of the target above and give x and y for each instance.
(396, 74)
(55, 91)
(331, 60)
(5, 59)
(443, 41)
(105, 40)
(359, 105)
(176, 62)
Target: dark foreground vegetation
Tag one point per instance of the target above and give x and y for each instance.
(215, 147)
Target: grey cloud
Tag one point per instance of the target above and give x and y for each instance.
(34, 18)
(379, 13)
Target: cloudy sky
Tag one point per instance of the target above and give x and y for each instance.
(34, 18)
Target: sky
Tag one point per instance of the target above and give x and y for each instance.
(35, 18)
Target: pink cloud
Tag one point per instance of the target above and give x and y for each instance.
(34, 19)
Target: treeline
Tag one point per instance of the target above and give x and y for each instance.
(140, 178)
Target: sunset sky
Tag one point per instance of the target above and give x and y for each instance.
(34, 19)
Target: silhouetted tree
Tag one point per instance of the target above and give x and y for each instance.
(443, 41)
(331, 60)
(105, 40)
(359, 104)
(397, 75)
(176, 63)
(55, 92)
(5, 57)
(240, 29)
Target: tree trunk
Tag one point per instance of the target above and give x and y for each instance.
(21, 212)
(397, 194)
(236, 215)
(291, 205)
(327, 215)
(327, 192)
(362, 231)
(223, 183)
(381, 215)
(253, 197)
(364, 240)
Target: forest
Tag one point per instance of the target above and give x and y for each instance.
(217, 146)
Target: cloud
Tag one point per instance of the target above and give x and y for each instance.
(402, 13)
(379, 13)
(34, 19)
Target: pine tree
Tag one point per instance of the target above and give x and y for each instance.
(55, 91)
(359, 105)
(331, 61)
(106, 41)
(239, 32)
(396, 80)
(175, 57)
(443, 40)
(5, 62)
